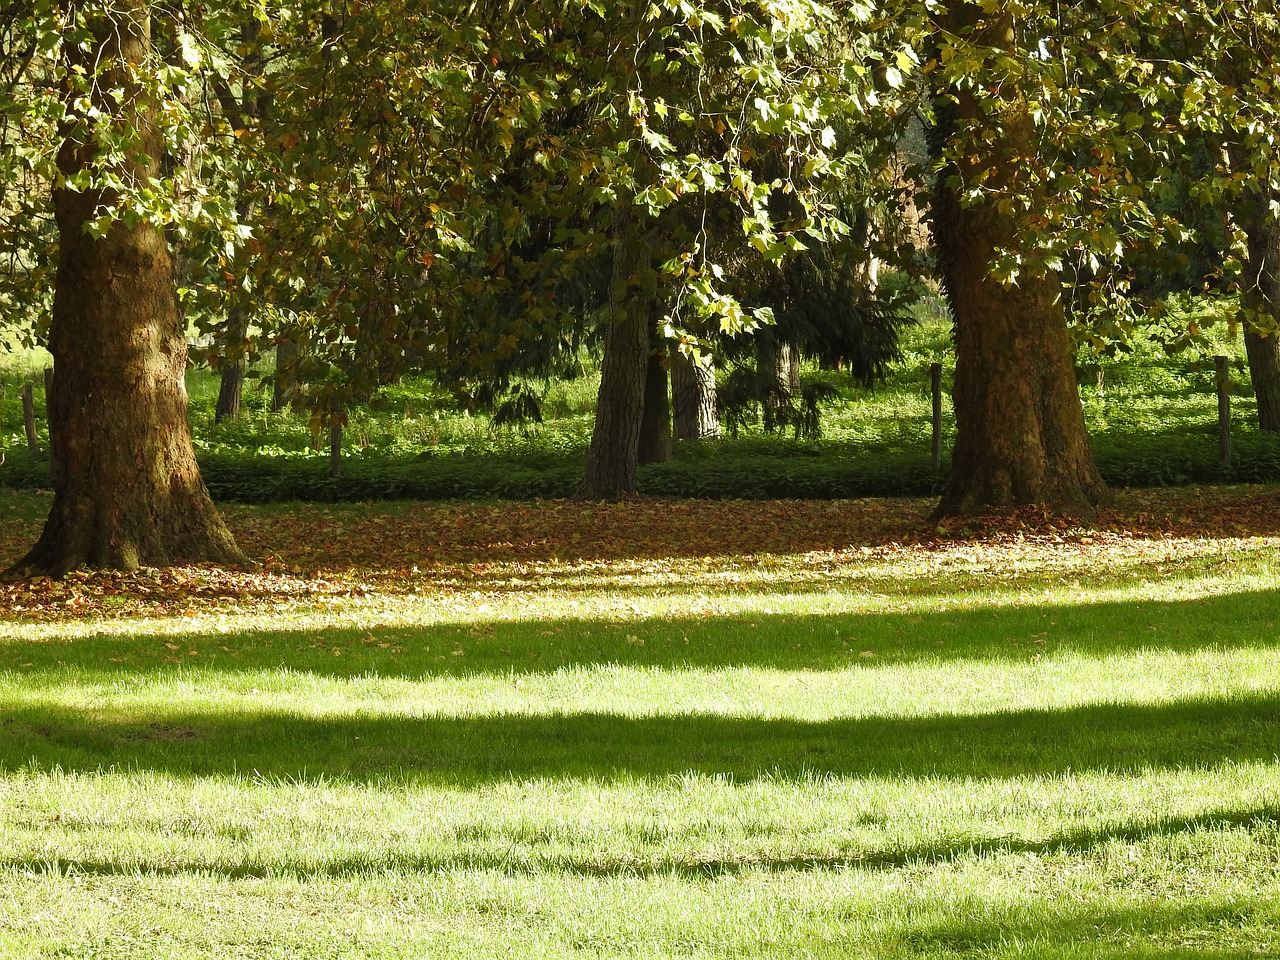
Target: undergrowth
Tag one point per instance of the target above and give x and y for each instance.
(1151, 417)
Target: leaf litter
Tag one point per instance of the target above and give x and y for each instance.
(330, 553)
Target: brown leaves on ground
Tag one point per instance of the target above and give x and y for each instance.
(355, 549)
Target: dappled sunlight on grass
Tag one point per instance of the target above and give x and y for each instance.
(1033, 738)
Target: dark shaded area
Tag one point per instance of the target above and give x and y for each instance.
(468, 751)
(1097, 933)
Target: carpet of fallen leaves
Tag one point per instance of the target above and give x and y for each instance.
(304, 551)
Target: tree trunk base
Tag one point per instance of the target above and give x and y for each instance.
(84, 532)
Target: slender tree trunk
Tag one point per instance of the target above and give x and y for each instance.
(243, 112)
(1020, 434)
(127, 489)
(231, 373)
(655, 424)
(287, 353)
(778, 372)
(1264, 373)
(615, 442)
(693, 399)
(230, 391)
(231, 388)
(1260, 297)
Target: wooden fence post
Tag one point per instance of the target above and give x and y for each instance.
(1223, 378)
(935, 386)
(29, 418)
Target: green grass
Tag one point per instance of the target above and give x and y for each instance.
(1012, 749)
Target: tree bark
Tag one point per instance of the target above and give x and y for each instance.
(230, 391)
(693, 399)
(615, 441)
(287, 352)
(231, 374)
(655, 422)
(1260, 297)
(127, 489)
(778, 372)
(1020, 434)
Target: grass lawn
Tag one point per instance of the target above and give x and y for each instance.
(819, 730)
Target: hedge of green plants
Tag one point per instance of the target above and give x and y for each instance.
(794, 471)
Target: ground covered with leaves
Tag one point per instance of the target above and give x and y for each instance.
(308, 550)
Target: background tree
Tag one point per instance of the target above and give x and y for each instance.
(1240, 116)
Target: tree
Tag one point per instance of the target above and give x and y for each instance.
(614, 452)
(1260, 299)
(127, 489)
(240, 108)
(701, 91)
(1245, 129)
(1198, 94)
(693, 397)
(1020, 435)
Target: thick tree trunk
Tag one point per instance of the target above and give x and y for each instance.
(655, 423)
(1260, 297)
(1020, 434)
(615, 442)
(693, 399)
(127, 490)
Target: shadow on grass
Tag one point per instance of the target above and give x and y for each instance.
(1246, 620)
(457, 857)
(600, 746)
(1191, 928)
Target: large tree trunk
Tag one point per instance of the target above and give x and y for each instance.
(127, 490)
(615, 442)
(693, 399)
(1020, 434)
(1260, 297)
(655, 444)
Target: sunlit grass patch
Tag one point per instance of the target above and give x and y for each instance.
(1062, 744)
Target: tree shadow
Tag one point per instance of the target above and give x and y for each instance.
(388, 858)
(1139, 932)
(600, 746)
(694, 640)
